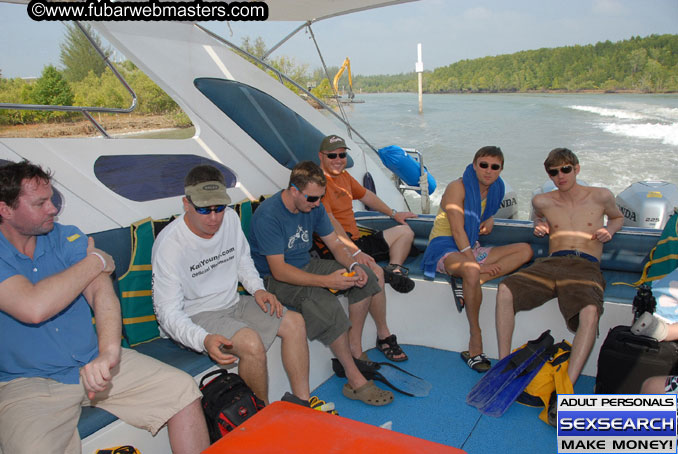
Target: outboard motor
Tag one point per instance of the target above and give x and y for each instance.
(509, 206)
(648, 204)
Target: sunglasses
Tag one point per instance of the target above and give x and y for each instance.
(309, 198)
(564, 169)
(485, 165)
(208, 210)
(341, 155)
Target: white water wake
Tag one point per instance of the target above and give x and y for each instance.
(667, 134)
(640, 122)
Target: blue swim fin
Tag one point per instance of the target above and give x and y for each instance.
(504, 382)
(393, 376)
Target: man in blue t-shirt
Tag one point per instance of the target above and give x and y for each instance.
(52, 361)
(280, 240)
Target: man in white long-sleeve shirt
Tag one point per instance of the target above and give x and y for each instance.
(197, 262)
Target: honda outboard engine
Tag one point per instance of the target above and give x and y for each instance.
(509, 206)
(648, 204)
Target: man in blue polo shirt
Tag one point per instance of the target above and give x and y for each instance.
(52, 361)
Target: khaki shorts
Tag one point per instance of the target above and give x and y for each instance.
(575, 281)
(325, 318)
(40, 415)
(246, 313)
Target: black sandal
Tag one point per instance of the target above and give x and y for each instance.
(479, 363)
(458, 293)
(396, 275)
(390, 348)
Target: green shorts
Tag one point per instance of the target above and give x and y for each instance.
(325, 318)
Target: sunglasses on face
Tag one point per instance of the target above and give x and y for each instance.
(309, 198)
(341, 155)
(564, 169)
(485, 165)
(208, 210)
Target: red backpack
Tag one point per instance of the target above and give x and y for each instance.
(227, 402)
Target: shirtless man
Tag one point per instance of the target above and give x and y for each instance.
(573, 217)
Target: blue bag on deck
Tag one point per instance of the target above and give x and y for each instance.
(405, 166)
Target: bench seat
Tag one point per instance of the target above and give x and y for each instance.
(623, 260)
(613, 293)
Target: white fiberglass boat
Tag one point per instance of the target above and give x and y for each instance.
(256, 130)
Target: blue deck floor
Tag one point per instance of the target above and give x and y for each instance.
(444, 416)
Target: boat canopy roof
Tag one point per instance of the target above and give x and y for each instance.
(316, 10)
(308, 10)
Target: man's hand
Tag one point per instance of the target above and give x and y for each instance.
(109, 266)
(96, 374)
(216, 346)
(262, 297)
(541, 227)
(337, 280)
(361, 275)
(602, 234)
(400, 216)
(364, 259)
(486, 226)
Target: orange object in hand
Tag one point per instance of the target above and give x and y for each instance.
(347, 274)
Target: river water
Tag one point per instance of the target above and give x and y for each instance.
(619, 138)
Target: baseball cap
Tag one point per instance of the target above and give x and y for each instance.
(208, 193)
(331, 143)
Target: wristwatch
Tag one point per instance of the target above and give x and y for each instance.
(393, 212)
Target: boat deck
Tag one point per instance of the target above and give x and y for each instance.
(443, 416)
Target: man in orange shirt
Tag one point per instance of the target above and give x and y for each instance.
(393, 244)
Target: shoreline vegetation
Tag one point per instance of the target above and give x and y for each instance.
(645, 65)
(635, 66)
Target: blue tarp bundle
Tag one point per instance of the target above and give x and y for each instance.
(405, 166)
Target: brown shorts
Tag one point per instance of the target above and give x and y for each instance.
(575, 281)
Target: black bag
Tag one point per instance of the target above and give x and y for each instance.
(626, 360)
(227, 402)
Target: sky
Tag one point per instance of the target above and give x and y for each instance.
(384, 41)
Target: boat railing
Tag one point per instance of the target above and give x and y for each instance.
(284, 78)
(422, 188)
(85, 110)
(402, 186)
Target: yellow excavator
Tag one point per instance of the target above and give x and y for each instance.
(345, 66)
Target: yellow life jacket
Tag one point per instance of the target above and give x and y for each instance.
(552, 377)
